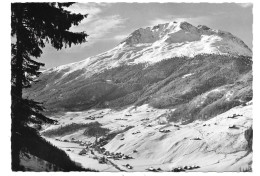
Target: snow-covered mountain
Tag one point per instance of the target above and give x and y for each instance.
(164, 41)
(168, 65)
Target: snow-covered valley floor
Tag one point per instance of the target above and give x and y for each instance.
(211, 144)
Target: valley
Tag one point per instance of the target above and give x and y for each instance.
(153, 142)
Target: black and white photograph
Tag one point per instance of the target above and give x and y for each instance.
(138, 87)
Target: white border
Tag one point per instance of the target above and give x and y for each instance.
(5, 91)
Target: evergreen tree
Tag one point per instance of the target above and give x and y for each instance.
(33, 25)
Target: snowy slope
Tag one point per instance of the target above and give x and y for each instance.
(153, 44)
(220, 148)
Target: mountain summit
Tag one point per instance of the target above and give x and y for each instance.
(164, 41)
(186, 39)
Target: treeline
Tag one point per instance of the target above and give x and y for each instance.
(95, 130)
(67, 129)
(111, 135)
(91, 129)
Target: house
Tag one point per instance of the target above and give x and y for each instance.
(83, 152)
(151, 169)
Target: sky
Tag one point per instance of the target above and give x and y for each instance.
(108, 24)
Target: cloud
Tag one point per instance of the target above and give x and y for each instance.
(100, 27)
(165, 20)
(245, 5)
(89, 8)
(92, 9)
(120, 37)
(96, 25)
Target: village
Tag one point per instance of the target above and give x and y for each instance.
(140, 141)
(104, 157)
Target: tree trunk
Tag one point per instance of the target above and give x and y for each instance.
(16, 93)
(17, 64)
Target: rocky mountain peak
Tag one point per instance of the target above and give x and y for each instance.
(183, 32)
(154, 33)
(163, 41)
(168, 30)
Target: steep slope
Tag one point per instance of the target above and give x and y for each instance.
(198, 71)
(37, 154)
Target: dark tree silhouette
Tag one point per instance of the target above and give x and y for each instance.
(33, 25)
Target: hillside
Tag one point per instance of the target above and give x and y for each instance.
(203, 86)
(39, 155)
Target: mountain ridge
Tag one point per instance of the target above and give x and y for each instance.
(172, 27)
(175, 39)
(197, 87)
